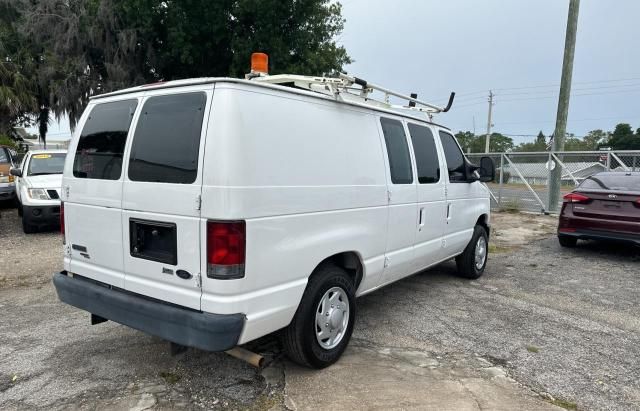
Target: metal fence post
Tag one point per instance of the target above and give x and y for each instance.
(501, 181)
(549, 183)
(608, 160)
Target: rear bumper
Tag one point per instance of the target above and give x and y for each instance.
(602, 235)
(206, 331)
(7, 191)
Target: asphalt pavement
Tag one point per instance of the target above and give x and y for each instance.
(544, 327)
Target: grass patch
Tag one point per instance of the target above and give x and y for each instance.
(511, 206)
(533, 348)
(497, 248)
(567, 405)
(170, 378)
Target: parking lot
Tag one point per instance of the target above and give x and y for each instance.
(544, 327)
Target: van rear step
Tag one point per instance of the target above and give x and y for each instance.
(183, 326)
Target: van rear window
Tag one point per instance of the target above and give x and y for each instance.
(167, 139)
(101, 144)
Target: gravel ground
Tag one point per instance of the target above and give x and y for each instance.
(563, 322)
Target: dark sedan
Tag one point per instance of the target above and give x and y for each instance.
(605, 206)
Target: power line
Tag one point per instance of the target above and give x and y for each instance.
(548, 85)
(572, 95)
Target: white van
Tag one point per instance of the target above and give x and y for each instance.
(211, 212)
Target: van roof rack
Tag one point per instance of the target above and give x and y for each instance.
(343, 88)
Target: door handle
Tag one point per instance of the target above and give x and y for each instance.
(448, 211)
(421, 219)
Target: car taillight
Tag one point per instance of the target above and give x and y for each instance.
(226, 243)
(62, 221)
(575, 198)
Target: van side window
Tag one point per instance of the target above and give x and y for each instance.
(167, 139)
(426, 154)
(397, 150)
(101, 144)
(454, 157)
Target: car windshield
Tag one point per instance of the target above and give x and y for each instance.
(613, 182)
(3, 156)
(46, 163)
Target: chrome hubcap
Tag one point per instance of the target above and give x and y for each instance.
(332, 318)
(481, 253)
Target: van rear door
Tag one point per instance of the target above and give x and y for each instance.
(92, 192)
(161, 197)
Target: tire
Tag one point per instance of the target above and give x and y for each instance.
(28, 228)
(567, 241)
(300, 341)
(466, 262)
(20, 212)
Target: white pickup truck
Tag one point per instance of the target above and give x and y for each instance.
(38, 183)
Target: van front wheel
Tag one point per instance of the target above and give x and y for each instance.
(473, 260)
(323, 323)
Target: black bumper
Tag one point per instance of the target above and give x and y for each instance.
(603, 236)
(41, 215)
(206, 331)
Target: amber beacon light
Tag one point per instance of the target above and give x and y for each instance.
(259, 63)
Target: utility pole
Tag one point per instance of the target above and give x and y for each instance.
(555, 174)
(488, 139)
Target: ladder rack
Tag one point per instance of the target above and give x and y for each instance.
(343, 89)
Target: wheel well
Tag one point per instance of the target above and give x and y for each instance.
(350, 262)
(482, 221)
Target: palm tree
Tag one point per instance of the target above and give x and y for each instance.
(16, 97)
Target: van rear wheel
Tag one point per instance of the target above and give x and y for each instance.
(473, 260)
(322, 326)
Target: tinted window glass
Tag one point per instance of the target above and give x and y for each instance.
(49, 163)
(454, 157)
(101, 144)
(610, 182)
(424, 148)
(398, 151)
(4, 158)
(167, 139)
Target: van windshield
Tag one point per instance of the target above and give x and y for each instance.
(46, 163)
(3, 156)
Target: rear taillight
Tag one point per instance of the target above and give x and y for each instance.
(62, 222)
(226, 243)
(575, 198)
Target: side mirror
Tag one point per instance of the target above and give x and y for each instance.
(487, 169)
(15, 172)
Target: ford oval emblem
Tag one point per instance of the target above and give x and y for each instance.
(185, 275)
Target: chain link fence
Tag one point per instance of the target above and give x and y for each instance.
(522, 179)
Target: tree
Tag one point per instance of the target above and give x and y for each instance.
(467, 140)
(16, 88)
(623, 138)
(94, 46)
(541, 139)
(500, 143)
(594, 138)
(471, 143)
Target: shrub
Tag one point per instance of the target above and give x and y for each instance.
(6, 141)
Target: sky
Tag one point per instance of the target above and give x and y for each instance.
(513, 47)
(433, 47)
